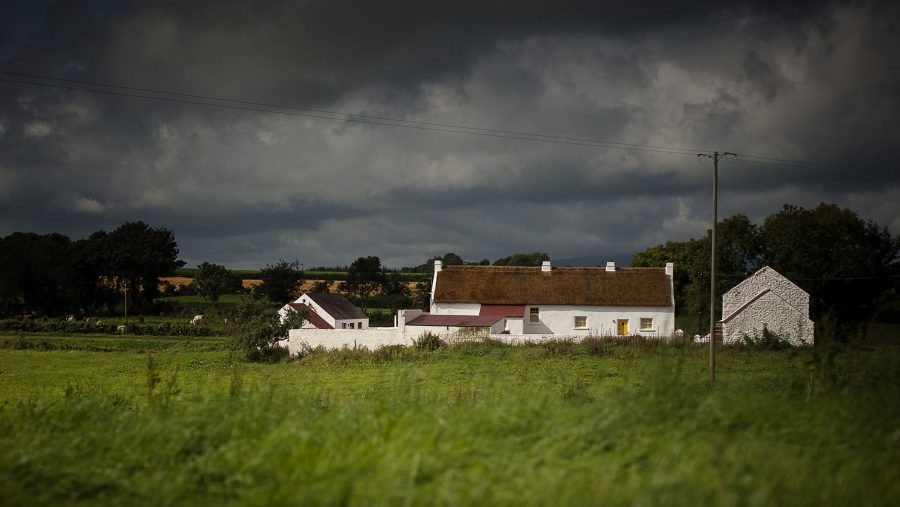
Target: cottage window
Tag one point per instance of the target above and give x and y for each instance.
(646, 323)
(343, 325)
(534, 315)
(580, 322)
(351, 325)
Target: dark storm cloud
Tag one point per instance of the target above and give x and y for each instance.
(808, 81)
(317, 51)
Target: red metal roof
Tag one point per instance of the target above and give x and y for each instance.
(427, 319)
(317, 321)
(503, 310)
(312, 316)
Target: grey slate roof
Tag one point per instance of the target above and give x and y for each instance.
(337, 306)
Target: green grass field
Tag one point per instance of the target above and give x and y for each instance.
(476, 424)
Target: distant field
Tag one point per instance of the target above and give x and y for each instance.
(477, 424)
(329, 275)
(244, 273)
(226, 299)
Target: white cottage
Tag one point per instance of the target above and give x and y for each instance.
(327, 311)
(557, 301)
(766, 300)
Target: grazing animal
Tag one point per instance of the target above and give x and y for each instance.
(120, 329)
(70, 318)
(198, 320)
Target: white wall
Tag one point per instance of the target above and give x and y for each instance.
(765, 278)
(357, 323)
(450, 331)
(601, 320)
(773, 313)
(371, 338)
(560, 319)
(455, 308)
(515, 325)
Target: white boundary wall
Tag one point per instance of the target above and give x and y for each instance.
(371, 338)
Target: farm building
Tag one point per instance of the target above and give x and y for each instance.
(327, 311)
(556, 301)
(766, 301)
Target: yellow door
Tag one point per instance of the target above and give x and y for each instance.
(623, 327)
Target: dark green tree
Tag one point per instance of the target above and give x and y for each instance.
(137, 255)
(845, 263)
(280, 282)
(421, 295)
(365, 278)
(38, 273)
(523, 259)
(257, 330)
(321, 287)
(212, 281)
(688, 258)
(451, 259)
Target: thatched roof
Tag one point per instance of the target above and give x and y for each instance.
(502, 285)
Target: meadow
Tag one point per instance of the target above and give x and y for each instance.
(599, 423)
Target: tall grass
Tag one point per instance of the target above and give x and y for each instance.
(477, 423)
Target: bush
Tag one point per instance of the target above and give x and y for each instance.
(429, 341)
(767, 340)
(258, 331)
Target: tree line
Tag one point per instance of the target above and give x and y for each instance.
(52, 274)
(847, 265)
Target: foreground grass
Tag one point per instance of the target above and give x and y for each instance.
(478, 424)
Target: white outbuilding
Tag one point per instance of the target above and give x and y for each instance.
(327, 311)
(767, 301)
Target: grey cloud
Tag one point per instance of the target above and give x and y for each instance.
(803, 82)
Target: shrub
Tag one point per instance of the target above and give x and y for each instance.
(767, 340)
(429, 341)
(258, 331)
(593, 345)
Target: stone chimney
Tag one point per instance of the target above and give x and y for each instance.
(610, 266)
(438, 264)
(545, 267)
(670, 269)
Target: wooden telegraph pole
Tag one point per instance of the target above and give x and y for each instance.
(716, 156)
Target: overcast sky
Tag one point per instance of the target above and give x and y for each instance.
(815, 81)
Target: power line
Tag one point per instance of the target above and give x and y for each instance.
(372, 120)
(323, 114)
(810, 166)
(364, 116)
(365, 120)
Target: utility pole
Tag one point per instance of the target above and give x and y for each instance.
(716, 156)
(700, 303)
(126, 306)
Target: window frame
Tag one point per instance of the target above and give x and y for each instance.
(534, 315)
(583, 322)
(649, 327)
